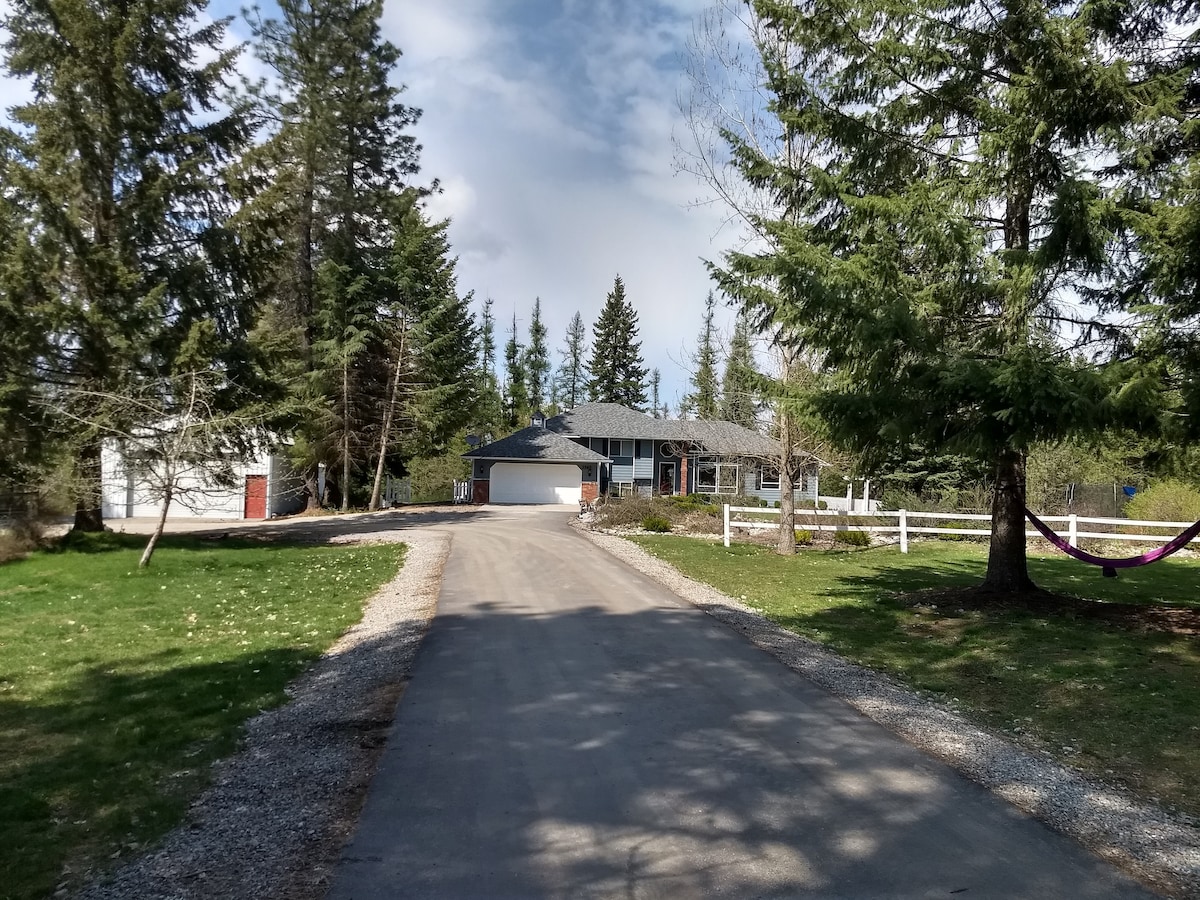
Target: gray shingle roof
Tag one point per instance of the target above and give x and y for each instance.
(611, 420)
(726, 438)
(536, 444)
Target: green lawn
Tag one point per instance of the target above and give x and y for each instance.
(1123, 704)
(119, 687)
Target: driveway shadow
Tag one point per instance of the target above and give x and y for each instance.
(585, 753)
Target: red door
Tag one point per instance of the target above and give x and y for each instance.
(256, 497)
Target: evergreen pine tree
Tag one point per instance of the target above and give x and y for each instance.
(739, 402)
(705, 399)
(617, 374)
(491, 406)
(119, 159)
(572, 371)
(537, 360)
(516, 397)
(444, 340)
(655, 382)
(957, 206)
(338, 167)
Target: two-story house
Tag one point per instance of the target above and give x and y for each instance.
(602, 448)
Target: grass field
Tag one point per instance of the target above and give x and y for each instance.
(119, 687)
(1120, 703)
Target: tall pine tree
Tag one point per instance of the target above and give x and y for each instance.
(338, 164)
(119, 160)
(490, 410)
(617, 373)
(705, 401)
(537, 360)
(572, 371)
(739, 386)
(516, 393)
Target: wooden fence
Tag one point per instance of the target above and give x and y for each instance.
(842, 521)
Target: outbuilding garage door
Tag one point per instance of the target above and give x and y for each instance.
(535, 483)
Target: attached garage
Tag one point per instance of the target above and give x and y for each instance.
(532, 482)
(534, 465)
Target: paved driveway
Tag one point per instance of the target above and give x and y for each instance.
(572, 729)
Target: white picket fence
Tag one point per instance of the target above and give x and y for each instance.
(904, 528)
(462, 491)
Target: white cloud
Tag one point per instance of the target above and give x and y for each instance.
(554, 145)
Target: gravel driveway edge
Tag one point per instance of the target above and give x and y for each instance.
(273, 822)
(1147, 841)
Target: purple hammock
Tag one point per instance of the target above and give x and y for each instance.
(1110, 566)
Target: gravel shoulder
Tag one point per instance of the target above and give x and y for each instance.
(1150, 843)
(272, 823)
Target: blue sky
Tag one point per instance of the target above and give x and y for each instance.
(549, 125)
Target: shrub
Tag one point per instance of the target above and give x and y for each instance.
(656, 523)
(852, 538)
(19, 539)
(1166, 501)
(777, 504)
(804, 537)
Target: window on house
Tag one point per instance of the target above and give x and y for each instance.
(622, 448)
(600, 445)
(768, 478)
(645, 449)
(716, 478)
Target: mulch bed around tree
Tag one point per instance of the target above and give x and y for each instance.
(1136, 617)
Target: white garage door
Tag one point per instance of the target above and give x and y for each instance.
(535, 483)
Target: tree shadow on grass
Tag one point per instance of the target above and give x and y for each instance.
(113, 756)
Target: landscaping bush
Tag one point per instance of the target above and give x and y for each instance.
(656, 523)
(852, 538)
(1166, 501)
(804, 537)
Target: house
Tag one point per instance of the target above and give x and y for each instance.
(264, 485)
(601, 448)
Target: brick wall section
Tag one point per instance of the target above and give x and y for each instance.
(683, 474)
(590, 491)
(480, 491)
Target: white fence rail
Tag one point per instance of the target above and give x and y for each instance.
(904, 528)
(462, 491)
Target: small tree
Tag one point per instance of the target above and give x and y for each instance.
(184, 445)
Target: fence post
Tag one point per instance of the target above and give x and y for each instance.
(1073, 532)
(903, 531)
(726, 524)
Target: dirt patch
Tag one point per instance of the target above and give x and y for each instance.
(1135, 617)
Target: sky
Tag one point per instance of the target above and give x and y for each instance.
(548, 125)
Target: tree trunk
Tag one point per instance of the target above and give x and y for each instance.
(312, 490)
(158, 530)
(386, 436)
(786, 545)
(345, 433)
(1007, 569)
(89, 510)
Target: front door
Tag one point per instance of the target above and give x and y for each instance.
(666, 478)
(256, 497)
